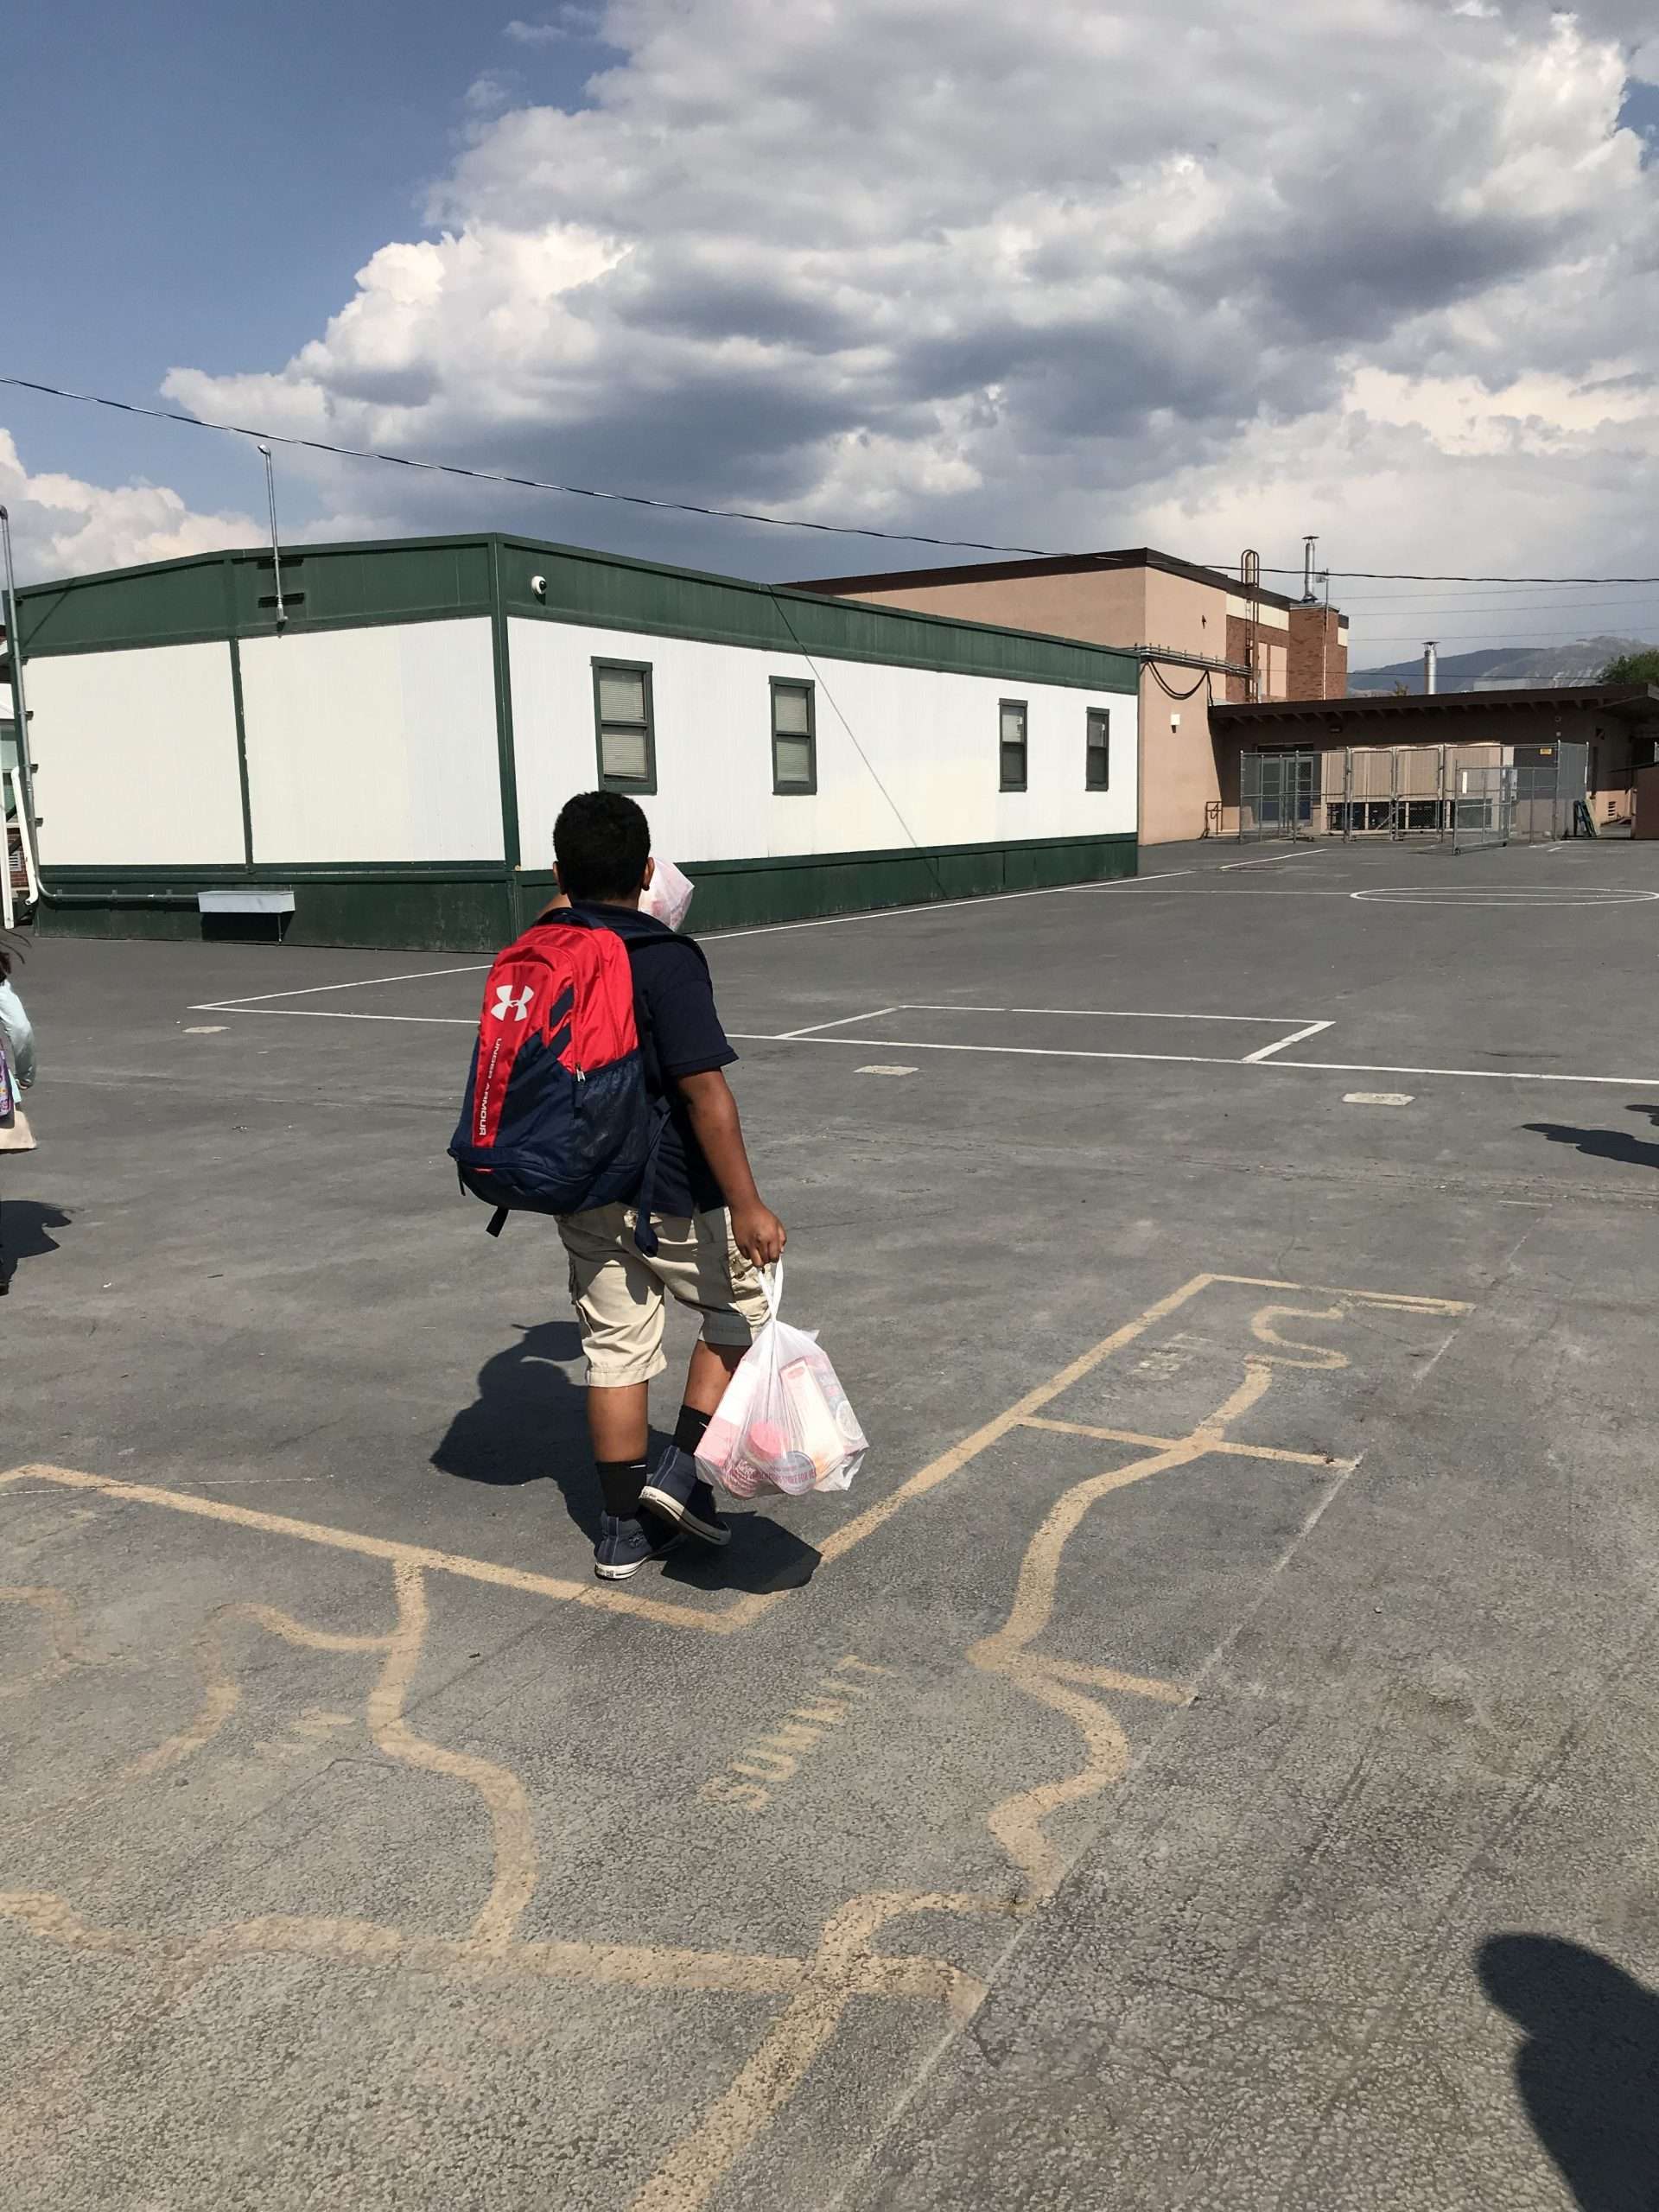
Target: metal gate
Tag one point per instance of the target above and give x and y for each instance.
(1480, 793)
(1549, 781)
(1279, 795)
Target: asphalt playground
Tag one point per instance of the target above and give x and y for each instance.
(1210, 1757)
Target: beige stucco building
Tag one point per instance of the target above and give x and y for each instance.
(1204, 640)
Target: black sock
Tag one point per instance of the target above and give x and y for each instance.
(689, 1429)
(620, 1483)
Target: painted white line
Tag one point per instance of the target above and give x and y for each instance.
(1272, 860)
(1376, 1098)
(1021, 1052)
(363, 983)
(1096, 1012)
(206, 1029)
(877, 1068)
(1284, 1043)
(1207, 1060)
(327, 1013)
(1478, 1075)
(931, 906)
(841, 1022)
(1212, 889)
(1537, 896)
(1128, 882)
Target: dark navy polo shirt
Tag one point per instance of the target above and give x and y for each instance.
(681, 1034)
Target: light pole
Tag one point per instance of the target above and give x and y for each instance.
(276, 549)
(19, 717)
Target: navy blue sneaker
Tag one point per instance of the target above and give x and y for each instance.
(625, 1546)
(678, 1493)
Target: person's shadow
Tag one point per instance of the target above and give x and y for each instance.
(1604, 1144)
(1588, 2071)
(24, 1223)
(529, 1423)
(529, 1420)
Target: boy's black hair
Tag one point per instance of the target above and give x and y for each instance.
(601, 842)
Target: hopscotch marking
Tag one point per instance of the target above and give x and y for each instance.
(815, 1986)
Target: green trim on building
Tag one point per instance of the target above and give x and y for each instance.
(431, 907)
(476, 907)
(437, 579)
(611, 592)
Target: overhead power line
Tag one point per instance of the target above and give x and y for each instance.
(727, 514)
(523, 483)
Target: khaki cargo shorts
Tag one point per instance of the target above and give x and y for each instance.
(618, 1294)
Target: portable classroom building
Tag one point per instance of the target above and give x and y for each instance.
(385, 767)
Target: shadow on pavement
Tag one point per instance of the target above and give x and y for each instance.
(1602, 1144)
(1588, 2071)
(763, 1554)
(23, 1226)
(529, 1423)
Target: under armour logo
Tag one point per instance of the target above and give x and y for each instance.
(509, 1002)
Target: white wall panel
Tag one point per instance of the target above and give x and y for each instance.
(930, 740)
(137, 752)
(372, 744)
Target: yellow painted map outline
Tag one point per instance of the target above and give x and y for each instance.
(816, 1989)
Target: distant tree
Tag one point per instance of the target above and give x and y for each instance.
(1633, 668)
(1401, 690)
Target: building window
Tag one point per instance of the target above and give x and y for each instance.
(1011, 758)
(1097, 751)
(794, 739)
(622, 718)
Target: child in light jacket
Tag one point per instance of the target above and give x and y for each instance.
(16, 1072)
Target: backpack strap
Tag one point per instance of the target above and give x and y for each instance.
(645, 1237)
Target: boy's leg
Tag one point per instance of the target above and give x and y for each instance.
(619, 1424)
(712, 1368)
(620, 1310)
(704, 1269)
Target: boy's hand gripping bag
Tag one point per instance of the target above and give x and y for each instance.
(667, 897)
(784, 1422)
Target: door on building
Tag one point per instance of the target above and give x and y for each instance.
(1278, 794)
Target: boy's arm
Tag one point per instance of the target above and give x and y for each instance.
(758, 1234)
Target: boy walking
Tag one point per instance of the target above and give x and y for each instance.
(713, 1231)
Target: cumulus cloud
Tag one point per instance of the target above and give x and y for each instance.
(61, 526)
(1075, 276)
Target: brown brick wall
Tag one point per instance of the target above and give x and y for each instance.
(1319, 657)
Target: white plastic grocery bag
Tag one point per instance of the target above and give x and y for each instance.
(784, 1422)
(667, 897)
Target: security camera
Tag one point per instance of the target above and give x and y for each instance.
(1175, 722)
(538, 585)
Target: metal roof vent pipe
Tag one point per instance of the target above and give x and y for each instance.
(1431, 669)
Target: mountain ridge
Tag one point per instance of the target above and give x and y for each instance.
(1500, 667)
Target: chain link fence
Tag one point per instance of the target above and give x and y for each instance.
(1472, 797)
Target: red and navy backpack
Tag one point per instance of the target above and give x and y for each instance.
(557, 1117)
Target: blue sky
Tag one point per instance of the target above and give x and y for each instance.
(195, 182)
(1104, 273)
